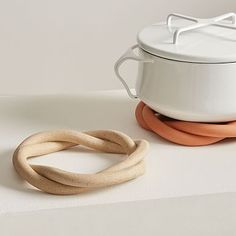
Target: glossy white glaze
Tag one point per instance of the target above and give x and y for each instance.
(197, 40)
(183, 90)
(192, 77)
(188, 91)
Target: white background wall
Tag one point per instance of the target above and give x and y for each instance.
(61, 46)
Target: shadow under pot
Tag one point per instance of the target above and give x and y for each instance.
(187, 68)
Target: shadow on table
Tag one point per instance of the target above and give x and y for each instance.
(26, 115)
(11, 180)
(8, 176)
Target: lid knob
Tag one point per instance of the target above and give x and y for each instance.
(200, 23)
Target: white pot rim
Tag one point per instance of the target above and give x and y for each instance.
(190, 62)
(189, 39)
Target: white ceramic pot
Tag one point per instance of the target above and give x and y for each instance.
(192, 77)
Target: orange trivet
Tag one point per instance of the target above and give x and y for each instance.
(183, 132)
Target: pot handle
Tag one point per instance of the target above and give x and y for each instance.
(128, 55)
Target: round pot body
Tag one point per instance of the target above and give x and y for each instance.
(188, 91)
(187, 67)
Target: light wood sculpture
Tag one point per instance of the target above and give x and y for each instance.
(56, 181)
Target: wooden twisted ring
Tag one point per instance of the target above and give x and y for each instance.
(56, 181)
(183, 132)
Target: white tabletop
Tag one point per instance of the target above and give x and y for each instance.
(208, 215)
(172, 170)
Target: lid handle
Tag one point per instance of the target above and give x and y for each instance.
(201, 23)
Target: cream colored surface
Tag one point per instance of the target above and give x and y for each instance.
(171, 170)
(64, 46)
(209, 215)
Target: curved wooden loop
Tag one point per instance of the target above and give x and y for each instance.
(56, 181)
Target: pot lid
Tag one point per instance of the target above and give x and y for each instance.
(189, 39)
